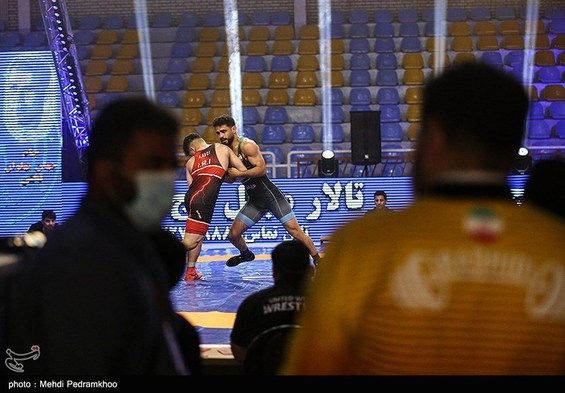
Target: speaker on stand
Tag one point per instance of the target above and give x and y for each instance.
(365, 138)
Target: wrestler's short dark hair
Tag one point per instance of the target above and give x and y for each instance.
(291, 255)
(223, 120)
(188, 140)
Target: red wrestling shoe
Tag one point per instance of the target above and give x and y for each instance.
(192, 274)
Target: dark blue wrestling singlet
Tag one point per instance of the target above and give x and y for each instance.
(262, 196)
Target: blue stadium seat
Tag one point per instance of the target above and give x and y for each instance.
(168, 99)
(407, 15)
(213, 19)
(281, 18)
(131, 22)
(557, 26)
(275, 115)
(10, 39)
(410, 45)
(177, 65)
(255, 64)
(385, 45)
(387, 78)
(276, 150)
(554, 12)
(306, 172)
(84, 37)
(456, 14)
(387, 61)
(359, 30)
(388, 95)
(514, 57)
(494, 58)
(549, 74)
(337, 31)
(114, 22)
(428, 15)
(83, 52)
(337, 133)
(273, 134)
(172, 82)
(358, 16)
(162, 19)
(560, 129)
(360, 96)
(557, 110)
(359, 78)
(185, 34)
(35, 40)
(250, 115)
(302, 133)
(505, 12)
(536, 111)
(338, 17)
(409, 29)
(89, 22)
(393, 169)
(337, 96)
(390, 113)
(260, 18)
(480, 13)
(249, 132)
(281, 63)
(384, 30)
(241, 18)
(360, 61)
(181, 50)
(391, 132)
(538, 129)
(383, 16)
(359, 45)
(338, 116)
(429, 29)
(188, 19)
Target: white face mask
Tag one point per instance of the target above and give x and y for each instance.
(153, 201)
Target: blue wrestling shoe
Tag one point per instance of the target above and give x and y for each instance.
(244, 257)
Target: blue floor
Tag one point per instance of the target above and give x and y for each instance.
(221, 288)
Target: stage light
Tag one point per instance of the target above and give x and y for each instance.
(523, 163)
(328, 165)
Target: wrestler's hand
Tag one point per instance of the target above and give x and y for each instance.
(234, 172)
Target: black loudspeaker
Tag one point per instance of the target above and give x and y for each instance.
(365, 137)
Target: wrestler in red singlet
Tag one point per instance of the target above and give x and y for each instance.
(200, 199)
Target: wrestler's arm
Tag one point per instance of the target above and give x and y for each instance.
(251, 151)
(188, 169)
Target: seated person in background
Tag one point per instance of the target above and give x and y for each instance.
(546, 186)
(380, 204)
(47, 224)
(277, 304)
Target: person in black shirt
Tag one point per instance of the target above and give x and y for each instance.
(277, 304)
(47, 224)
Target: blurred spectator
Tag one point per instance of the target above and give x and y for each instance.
(47, 224)
(276, 305)
(463, 281)
(381, 200)
(96, 300)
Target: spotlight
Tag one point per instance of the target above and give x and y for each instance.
(328, 165)
(523, 163)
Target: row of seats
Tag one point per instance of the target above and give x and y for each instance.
(338, 17)
(260, 36)
(186, 19)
